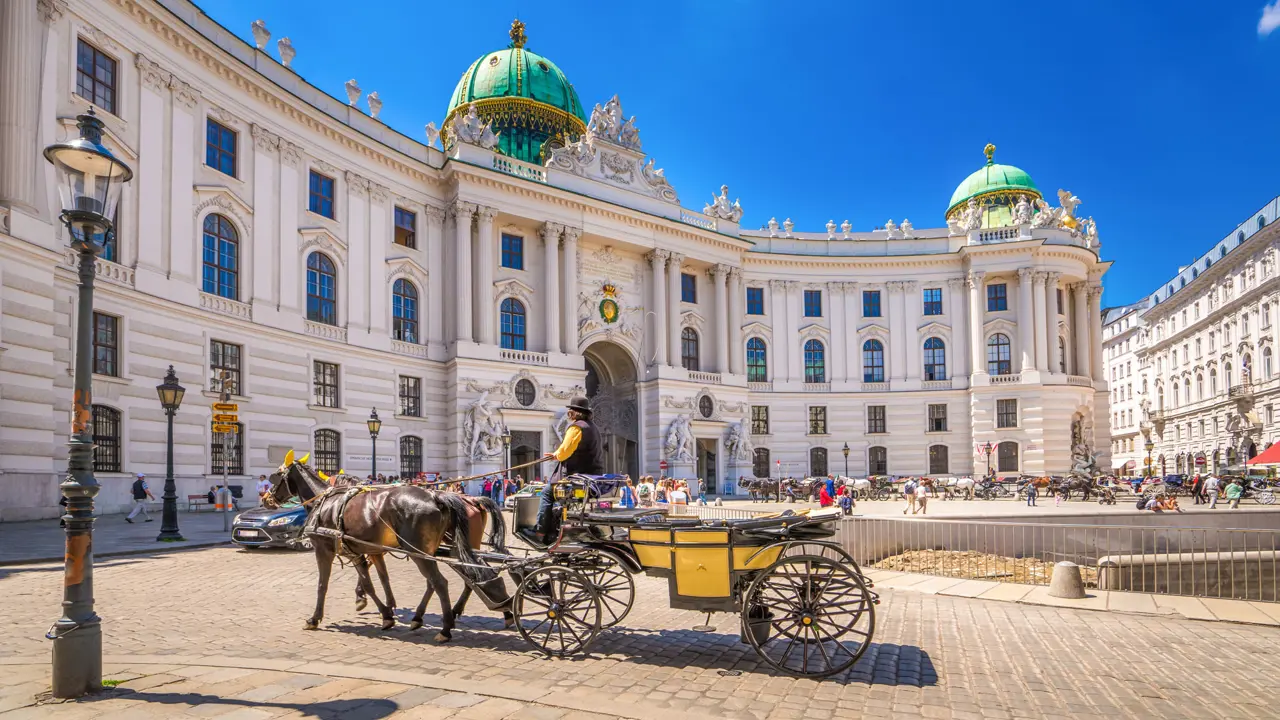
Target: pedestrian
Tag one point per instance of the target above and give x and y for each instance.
(831, 485)
(1234, 491)
(1032, 493)
(846, 501)
(1197, 489)
(922, 496)
(909, 492)
(628, 495)
(141, 494)
(1211, 489)
(824, 497)
(264, 485)
(645, 491)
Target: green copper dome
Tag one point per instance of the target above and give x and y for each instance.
(992, 180)
(525, 96)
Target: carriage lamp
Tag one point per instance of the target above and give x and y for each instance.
(845, 450)
(170, 393)
(375, 426)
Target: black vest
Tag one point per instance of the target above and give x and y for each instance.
(139, 493)
(588, 458)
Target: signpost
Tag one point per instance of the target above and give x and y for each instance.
(225, 423)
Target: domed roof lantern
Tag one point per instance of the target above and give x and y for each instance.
(993, 185)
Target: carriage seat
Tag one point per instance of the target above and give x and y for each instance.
(626, 516)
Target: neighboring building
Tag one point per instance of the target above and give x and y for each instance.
(1121, 340)
(332, 266)
(1210, 353)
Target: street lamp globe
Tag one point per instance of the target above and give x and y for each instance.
(170, 392)
(845, 450)
(89, 182)
(1149, 445)
(374, 423)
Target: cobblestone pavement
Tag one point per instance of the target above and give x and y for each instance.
(43, 540)
(934, 656)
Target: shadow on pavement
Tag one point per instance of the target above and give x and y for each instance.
(368, 708)
(6, 571)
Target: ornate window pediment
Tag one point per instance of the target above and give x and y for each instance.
(1001, 325)
(407, 268)
(757, 329)
(512, 287)
(223, 201)
(935, 328)
(690, 318)
(814, 330)
(318, 238)
(873, 330)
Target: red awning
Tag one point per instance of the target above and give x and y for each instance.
(1270, 456)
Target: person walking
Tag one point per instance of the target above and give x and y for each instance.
(909, 492)
(141, 494)
(628, 500)
(1032, 494)
(1234, 491)
(922, 497)
(645, 491)
(1197, 489)
(1211, 489)
(846, 500)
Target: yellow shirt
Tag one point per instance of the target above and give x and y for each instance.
(572, 437)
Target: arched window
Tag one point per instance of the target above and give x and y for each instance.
(1160, 397)
(410, 456)
(815, 363)
(1222, 251)
(106, 438)
(1199, 387)
(935, 359)
(817, 462)
(221, 257)
(760, 466)
(404, 308)
(1007, 456)
(872, 361)
(999, 359)
(322, 289)
(757, 361)
(511, 318)
(1262, 221)
(1240, 237)
(327, 454)
(1213, 382)
(1062, 355)
(1227, 376)
(1266, 363)
(1173, 393)
(939, 464)
(689, 349)
(1186, 389)
(877, 461)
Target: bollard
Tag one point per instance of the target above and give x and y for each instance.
(719, 503)
(1066, 581)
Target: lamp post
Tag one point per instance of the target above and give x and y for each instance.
(846, 459)
(506, 453)
(170, 393)
(987, 449)
(1149, 446)
(375, 426)
(89, 182)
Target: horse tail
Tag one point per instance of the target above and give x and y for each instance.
(454, 508)
(497, 525)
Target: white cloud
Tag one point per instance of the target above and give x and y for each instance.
(1270, 19)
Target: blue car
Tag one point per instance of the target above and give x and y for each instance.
(265, 527)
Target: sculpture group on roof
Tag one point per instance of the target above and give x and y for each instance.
(469, 128)
(720, 208)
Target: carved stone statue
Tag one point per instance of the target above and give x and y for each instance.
(629, 135)
(470, 129)
(1069, 204)
(287, 53)
(968, 220)
(788, 226)
(1084, 463)
(574, 157)
(1022, 211)
(907, 230)
(606, 121)
(375, 104)
(831, 229)
(719, 207)
(890, 227)
(481, 430)
(1091, 233)
(261, 34)
(773, 227)
(1046, 217)
(738, 443)
(846, 227)
(560, 424)
(679, 444)
(353, 92)
(432, 133)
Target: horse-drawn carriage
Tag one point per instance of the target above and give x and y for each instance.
(802, 601)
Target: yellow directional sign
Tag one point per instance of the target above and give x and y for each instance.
(233, 429)
(226, 418)
(226, 407)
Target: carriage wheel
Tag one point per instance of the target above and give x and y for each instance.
(1267, 497)
(612, 583)
(808, 616)
(557, 610)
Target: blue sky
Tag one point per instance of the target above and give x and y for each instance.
(1161, 117)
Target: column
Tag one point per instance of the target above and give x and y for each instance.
(957, 354)
(378, 289)
(550, 233)
(1080, 328)
(975, 282)
(780, 353)
(486, 247)
(1051, 322)
(1026, 328)
(182, 244)
(20, 51)
(462, 213)
(48, 129)
(569, 307)
(289, 293)
(265, 144)
(1038, 321)
(791, 339)
(897, 332)
(149, 178)
(736, 315)
(912, 312)
(719, 275)
(357, 280)
(435, 311)
(1095, 332)
(839, 326)
(673, 309)
(852, 349)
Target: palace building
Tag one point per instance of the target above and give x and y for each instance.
(467, 283)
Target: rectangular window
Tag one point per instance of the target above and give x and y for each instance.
(512, 252)
(755, 301)
(326, 384)
(106, 345)
(228, 448)
(937, 418)
(95, 77)
(813, 303)
(688, 288)
(220, 148)
(759, 419)
(818, 420)
(321, 195)
(870, 303)
(876, 419)
(224, 356)
(997, 297)
(406, 228)
(933, 301)
(1006, 413)
(411, 396)
(1059, 293)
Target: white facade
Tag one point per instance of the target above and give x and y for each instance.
(1122, 339)
(1209, 353)
(605, 244)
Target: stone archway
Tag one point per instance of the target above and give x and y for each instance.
(611, 388)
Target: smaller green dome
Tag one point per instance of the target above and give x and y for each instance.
(992, 178)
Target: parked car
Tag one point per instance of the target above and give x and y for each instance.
(526, 491)
(266, 527)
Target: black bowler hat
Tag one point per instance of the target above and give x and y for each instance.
(580, 404)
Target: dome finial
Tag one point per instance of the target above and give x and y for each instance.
(990, 150)
(518, 38)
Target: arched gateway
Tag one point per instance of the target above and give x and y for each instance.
(611, 387)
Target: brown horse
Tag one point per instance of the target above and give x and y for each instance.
(403, 517)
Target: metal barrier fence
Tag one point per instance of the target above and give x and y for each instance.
(1201, 562)
(712, 512)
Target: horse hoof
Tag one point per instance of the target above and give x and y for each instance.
(361, 604)
(415, 624)
(311, 625)
(443, 637)
(388, 623)
(508, 621)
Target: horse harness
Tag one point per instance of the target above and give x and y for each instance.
(312, 526)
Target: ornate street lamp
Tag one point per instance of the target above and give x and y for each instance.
(170, 393)
(375, 426)
(506, 448)
(846, 459)
(89, 182)
(1149, 446)
(987, 449)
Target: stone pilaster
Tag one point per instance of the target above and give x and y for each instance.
(551, 247)
(569, 307)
